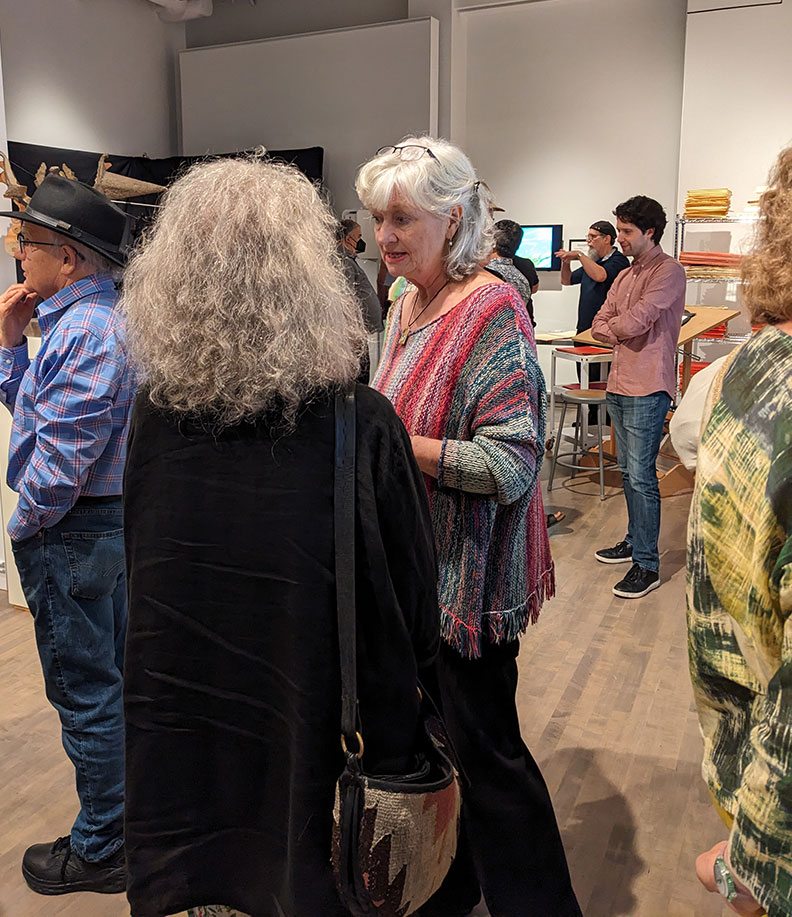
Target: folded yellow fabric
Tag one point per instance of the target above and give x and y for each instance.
(707, 202)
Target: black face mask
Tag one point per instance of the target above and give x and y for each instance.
(360, 247)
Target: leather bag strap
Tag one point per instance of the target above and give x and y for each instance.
(344, 529)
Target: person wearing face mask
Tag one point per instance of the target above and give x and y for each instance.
(599, 267)
(351, 244)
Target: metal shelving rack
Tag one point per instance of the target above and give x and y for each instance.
(681, 221)
(679, 237)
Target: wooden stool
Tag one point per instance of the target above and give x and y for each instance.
(583, 399)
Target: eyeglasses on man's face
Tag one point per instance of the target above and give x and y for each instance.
(592, 236)
(408, 151)
(22, 242)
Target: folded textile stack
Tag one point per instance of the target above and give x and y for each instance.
(707, 202)
(710, 265)
(718, 259)
(704, 272)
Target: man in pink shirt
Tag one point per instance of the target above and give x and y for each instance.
(641, 318)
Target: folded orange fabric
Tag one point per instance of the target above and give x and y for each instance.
(717, 259)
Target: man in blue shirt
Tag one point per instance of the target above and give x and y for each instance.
(599, 267)
(71, 407)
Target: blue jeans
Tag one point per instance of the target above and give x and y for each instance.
(74, 581)
(638, 427)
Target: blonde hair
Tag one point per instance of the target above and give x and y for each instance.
(435, 184)
(767, 271)
(237, 302)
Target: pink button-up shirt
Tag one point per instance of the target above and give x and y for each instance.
(641, 318)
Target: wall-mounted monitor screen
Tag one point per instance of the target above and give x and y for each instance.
(540, 243)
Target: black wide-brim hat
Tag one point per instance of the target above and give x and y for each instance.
(78, 212)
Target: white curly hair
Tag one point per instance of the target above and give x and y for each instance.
(237, 303)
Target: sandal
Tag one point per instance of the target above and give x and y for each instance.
(555, 518)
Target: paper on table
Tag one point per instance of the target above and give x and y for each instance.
(546, 336)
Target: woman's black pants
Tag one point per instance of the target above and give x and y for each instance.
(510, 847)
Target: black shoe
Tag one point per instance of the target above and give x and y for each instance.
(55, 869)
(637, 583)
(620, 553)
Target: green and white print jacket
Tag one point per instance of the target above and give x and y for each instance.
(739, 605)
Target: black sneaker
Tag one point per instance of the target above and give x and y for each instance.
(620, 553)
(55, 869)
(637, 583)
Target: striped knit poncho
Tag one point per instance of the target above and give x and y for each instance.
(471, 379)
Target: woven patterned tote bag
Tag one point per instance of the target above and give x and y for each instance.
(394, 837)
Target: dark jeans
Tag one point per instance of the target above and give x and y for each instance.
(74, 581)
(510, 847)
(638, 428)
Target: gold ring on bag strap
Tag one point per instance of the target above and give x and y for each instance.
(359, 752)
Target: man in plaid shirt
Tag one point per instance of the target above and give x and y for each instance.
(70, 408)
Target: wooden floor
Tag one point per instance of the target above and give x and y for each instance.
(606, 709)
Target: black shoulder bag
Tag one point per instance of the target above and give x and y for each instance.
(394, 836)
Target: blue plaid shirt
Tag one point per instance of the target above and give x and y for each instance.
(71, 405)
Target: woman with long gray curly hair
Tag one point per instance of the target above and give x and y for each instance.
(242, 328)
(229, 298)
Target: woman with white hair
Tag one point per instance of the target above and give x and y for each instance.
(242, 328)
(459, 365)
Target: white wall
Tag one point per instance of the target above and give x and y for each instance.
(243, 21)
(94, 75)
(572, 107)
(737, 99)
(288, 93)
(735, 120)
(451, 65)
(699, 6)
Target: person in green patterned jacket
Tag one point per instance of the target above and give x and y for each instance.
(739, 585)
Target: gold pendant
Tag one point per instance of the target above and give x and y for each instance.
(403, 336)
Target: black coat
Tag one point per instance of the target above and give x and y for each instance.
(232, 693)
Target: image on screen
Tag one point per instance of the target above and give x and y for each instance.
(537, 244)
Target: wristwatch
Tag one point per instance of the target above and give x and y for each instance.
(723, 879)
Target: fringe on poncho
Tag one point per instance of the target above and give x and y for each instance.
(471, 379)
